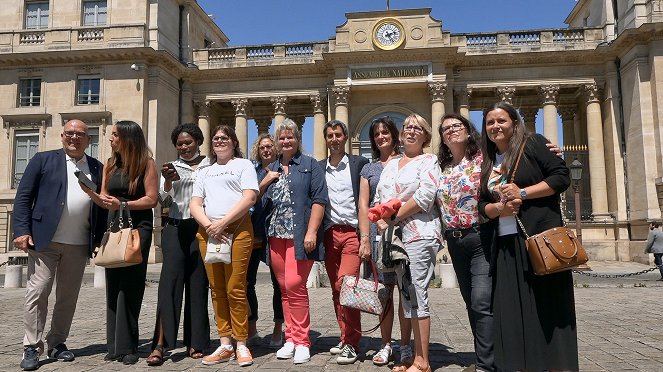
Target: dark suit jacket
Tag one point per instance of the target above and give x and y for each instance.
(41, 196)
(356, 164)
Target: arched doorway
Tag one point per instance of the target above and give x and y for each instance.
(364, 141)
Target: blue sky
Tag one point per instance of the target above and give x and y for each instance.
(251, 22)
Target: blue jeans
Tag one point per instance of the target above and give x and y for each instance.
(471, 262)
(658, 261)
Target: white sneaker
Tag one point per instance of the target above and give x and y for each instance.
(302, 354)
(336, 349)
(286, 352)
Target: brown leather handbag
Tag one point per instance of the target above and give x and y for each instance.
(120, 248)
(552, 250)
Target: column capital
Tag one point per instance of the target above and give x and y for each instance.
(240, 105)
(263, 124)
(529, 114)
(567, 112)
(592, 92)
(203, 107)
(341, 94)
(319, 103)
(437, 90)
(505, 94)
(279, 103)
(549, 94)
(463, 96)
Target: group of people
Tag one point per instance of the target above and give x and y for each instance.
(290, 210)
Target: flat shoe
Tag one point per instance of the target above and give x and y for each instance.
(156, 357)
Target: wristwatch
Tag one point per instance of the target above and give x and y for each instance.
(523, 194)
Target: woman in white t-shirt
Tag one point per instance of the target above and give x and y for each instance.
(222, 196)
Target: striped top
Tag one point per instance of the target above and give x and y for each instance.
(179, 196)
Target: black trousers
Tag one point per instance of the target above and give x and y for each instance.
(471, 262)
(252, 278)
(125, 287)
(183, 278)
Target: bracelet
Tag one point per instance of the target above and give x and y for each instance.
(500, 207)
(364, 236)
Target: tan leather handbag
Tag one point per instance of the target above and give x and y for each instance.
(120, 248)
(553, 250)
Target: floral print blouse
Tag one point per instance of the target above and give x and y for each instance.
(419, 180)
(458, 195)
(281, 224)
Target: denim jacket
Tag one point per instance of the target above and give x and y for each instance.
(307, 186)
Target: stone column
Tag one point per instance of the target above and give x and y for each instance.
(529, 117)
(203, 124)
(568, 114)
(437, 91)
(463, 96)
(505, 94)
(241, 124)
(549, 94)
(263, 124)
(596, 152)
(341, 96)
(319, 144)
(279, 108)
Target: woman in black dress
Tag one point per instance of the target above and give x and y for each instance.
(130, 179)
(534, 316)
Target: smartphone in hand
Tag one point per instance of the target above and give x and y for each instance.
(83, 178)
(171, 166)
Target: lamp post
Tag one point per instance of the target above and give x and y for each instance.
(576, 176)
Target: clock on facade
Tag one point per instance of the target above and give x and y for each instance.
(388, 34)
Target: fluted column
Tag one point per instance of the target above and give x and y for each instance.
(437, 91)
(549, 95)
(279, 108)
(203, 124)
(597, 176)
(263, 124)
(529, 117)
(341, 98)
(505, 94)
(568, 113)
(319, 144)
(241, 124)
(463, 97)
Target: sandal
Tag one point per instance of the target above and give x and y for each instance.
(382, 357)
(419, 367)
(194, 354)
(156, 357)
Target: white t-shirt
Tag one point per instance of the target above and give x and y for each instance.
(74, 225)
(221, 186)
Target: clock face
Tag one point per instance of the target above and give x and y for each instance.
(388, 34)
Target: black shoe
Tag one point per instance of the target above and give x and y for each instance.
(30, 360)
(129, 359)
(111, 357)
(60, 352)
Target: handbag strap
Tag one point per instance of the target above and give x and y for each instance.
(121, 217)
(375, 275)
(520, 155)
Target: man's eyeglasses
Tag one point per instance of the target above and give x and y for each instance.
(221, 139)
(414, 129)
(72, 134)
(455, 127)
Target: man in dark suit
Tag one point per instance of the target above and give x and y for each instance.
(56, 223)
(341, 240)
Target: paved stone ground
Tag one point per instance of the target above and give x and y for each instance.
(618, 328)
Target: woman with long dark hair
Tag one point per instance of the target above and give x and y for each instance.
(222, 196)
(534, 315)
(182, 268)
(385, 145)
(460, 159)
(130, 180)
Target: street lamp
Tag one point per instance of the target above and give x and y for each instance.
(576, 176)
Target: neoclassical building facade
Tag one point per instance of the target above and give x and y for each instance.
(595, 84)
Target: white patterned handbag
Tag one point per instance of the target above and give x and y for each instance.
(365, 295)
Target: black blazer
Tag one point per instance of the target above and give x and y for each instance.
(41, 196)
(537, 164)
(356, 163)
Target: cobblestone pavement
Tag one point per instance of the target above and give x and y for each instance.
(618, 328)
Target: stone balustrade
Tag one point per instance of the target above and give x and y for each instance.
(75, 38)
(474, 43)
